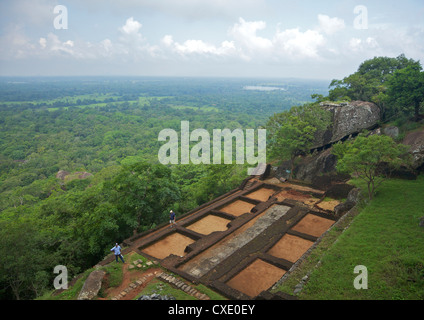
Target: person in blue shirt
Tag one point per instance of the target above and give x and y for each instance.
(172, 218)
(117, 250)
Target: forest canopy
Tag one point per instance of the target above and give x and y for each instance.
(79, 164)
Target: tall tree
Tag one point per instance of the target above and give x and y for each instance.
(291, 133)
(24, 258)
(369, 82)
(143, 193)
(363, 156)
(406, 91)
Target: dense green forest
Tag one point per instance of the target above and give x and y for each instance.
(101, 136)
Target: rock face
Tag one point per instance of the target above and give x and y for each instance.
(61, 174)
(347, 118)
(351, 201)
(391, 131)
(415, 140)
(309, 167)
(321, 163)
(92, 285)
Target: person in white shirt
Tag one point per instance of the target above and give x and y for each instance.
(117, 250)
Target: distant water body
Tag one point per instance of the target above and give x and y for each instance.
(262, 88)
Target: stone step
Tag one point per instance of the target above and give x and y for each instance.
(181, 285)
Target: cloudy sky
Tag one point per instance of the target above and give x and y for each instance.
(236, 38)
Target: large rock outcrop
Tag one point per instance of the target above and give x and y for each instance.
(415, 140)
(92, 285)
(347, 119)
(316, 164)
(351, 201)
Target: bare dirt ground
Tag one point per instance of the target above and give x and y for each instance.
(290, 247)
(261, 194)
(313, 225)
(295, 195)
(129, 276)
(328, 205)
(209, 224)
(281, 184)
(258, 276)
(175, 243)
(238, 207)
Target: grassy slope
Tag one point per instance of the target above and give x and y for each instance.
(384, 237)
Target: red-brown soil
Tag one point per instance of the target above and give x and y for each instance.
(328, 205)
(313, 225)
(256, 277)
(290, 247)
(209, 224)
(175, 243)
(238, 207)
(261, 194)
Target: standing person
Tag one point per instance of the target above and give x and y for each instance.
(117, 250)
(171, 218)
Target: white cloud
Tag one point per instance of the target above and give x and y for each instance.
(330, 25)
(106, 45)
(198, 47)
(299, 44)
(129, 42)
(130, 34)
(167, 40)
(244, 32)
(131, 27)
(56, 46)
(355, 44)
(289, 43)
(43, 42)
(14, 43)
(369, 45)
(372, 43)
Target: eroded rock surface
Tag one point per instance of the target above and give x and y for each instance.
(347, 118)
(92, 285)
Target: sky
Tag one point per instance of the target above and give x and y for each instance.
(208, 38)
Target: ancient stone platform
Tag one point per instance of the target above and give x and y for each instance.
(243, 242)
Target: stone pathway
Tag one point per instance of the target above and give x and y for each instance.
(163, 276)
(177, 283)
(134, 285)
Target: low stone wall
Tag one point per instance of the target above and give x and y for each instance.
(177, 283)
(134, 286)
